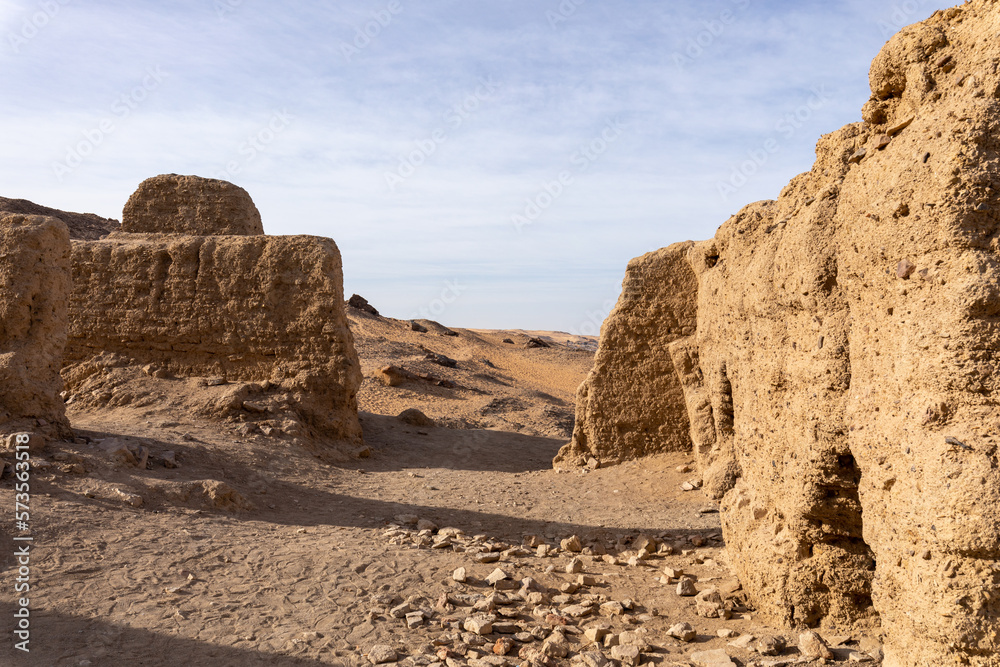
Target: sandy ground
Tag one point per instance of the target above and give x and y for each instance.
(253, 552)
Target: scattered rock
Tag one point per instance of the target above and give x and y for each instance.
(416, 326)
(905, 269)
(812, 645)
(459, 575)
(572, 544)
(574, 566)
(536, 342)
(496, 576)
(479, 624)
(360, 303)
(415, 417)
(627, 654)
(715, 658)
(770, 645)
(686, 587)
(682, 631)
(381, 654)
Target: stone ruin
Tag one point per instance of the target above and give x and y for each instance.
(34, 289)
(190, 285)
(842, 380)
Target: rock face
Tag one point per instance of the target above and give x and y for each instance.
(172, 204)
(842, 382)
(34, 289)
(631, 404)
(85, 226)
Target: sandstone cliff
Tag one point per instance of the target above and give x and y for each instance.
(34, 289)
(841, 385)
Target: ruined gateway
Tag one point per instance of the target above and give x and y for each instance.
(842, 381)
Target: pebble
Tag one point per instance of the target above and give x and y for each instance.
(673, 572)
(415, 619)
(424, 524)
(586, 580)
(574, 566)
(612, 609)
(595, 633)
(857, 156)
(460, 575)
(856, 656)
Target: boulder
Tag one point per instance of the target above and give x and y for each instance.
(35, 283)
(172, 204)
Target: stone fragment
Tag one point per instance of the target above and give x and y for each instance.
(503, 646)
(133, 499)
(360, 303)
(612, 609)
(770, 645)
(812, 645)
(414, 619)
(459, 575)
(496, 576)
(571, 544)
(686, 587)
(905, 269)
(673, 572)
(415, 417)
(480, 625)
(487, 557)
(381, 654)
(574, 566)
(714, 658)
(682, 631)
(35, 443)
(708, 604)
(586, 580)
(626, 655)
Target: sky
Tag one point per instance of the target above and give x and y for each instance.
(483, 164)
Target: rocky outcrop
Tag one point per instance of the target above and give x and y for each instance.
(265, 310)
(84, 226)
(631, 403)
(34, 289)
(172, 204)
(841, 385)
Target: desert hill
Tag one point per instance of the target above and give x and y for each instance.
(86, 226)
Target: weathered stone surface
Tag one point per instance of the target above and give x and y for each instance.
(842, 382)
(35, 283)
(172, 204)
(631, 404)
(260, 308)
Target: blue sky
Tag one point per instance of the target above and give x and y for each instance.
(488, 165)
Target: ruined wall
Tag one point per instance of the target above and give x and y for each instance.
(258, 308)
(172, 204)
(843, 382)
(847, 342)
(631, 403)
(34, 288)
